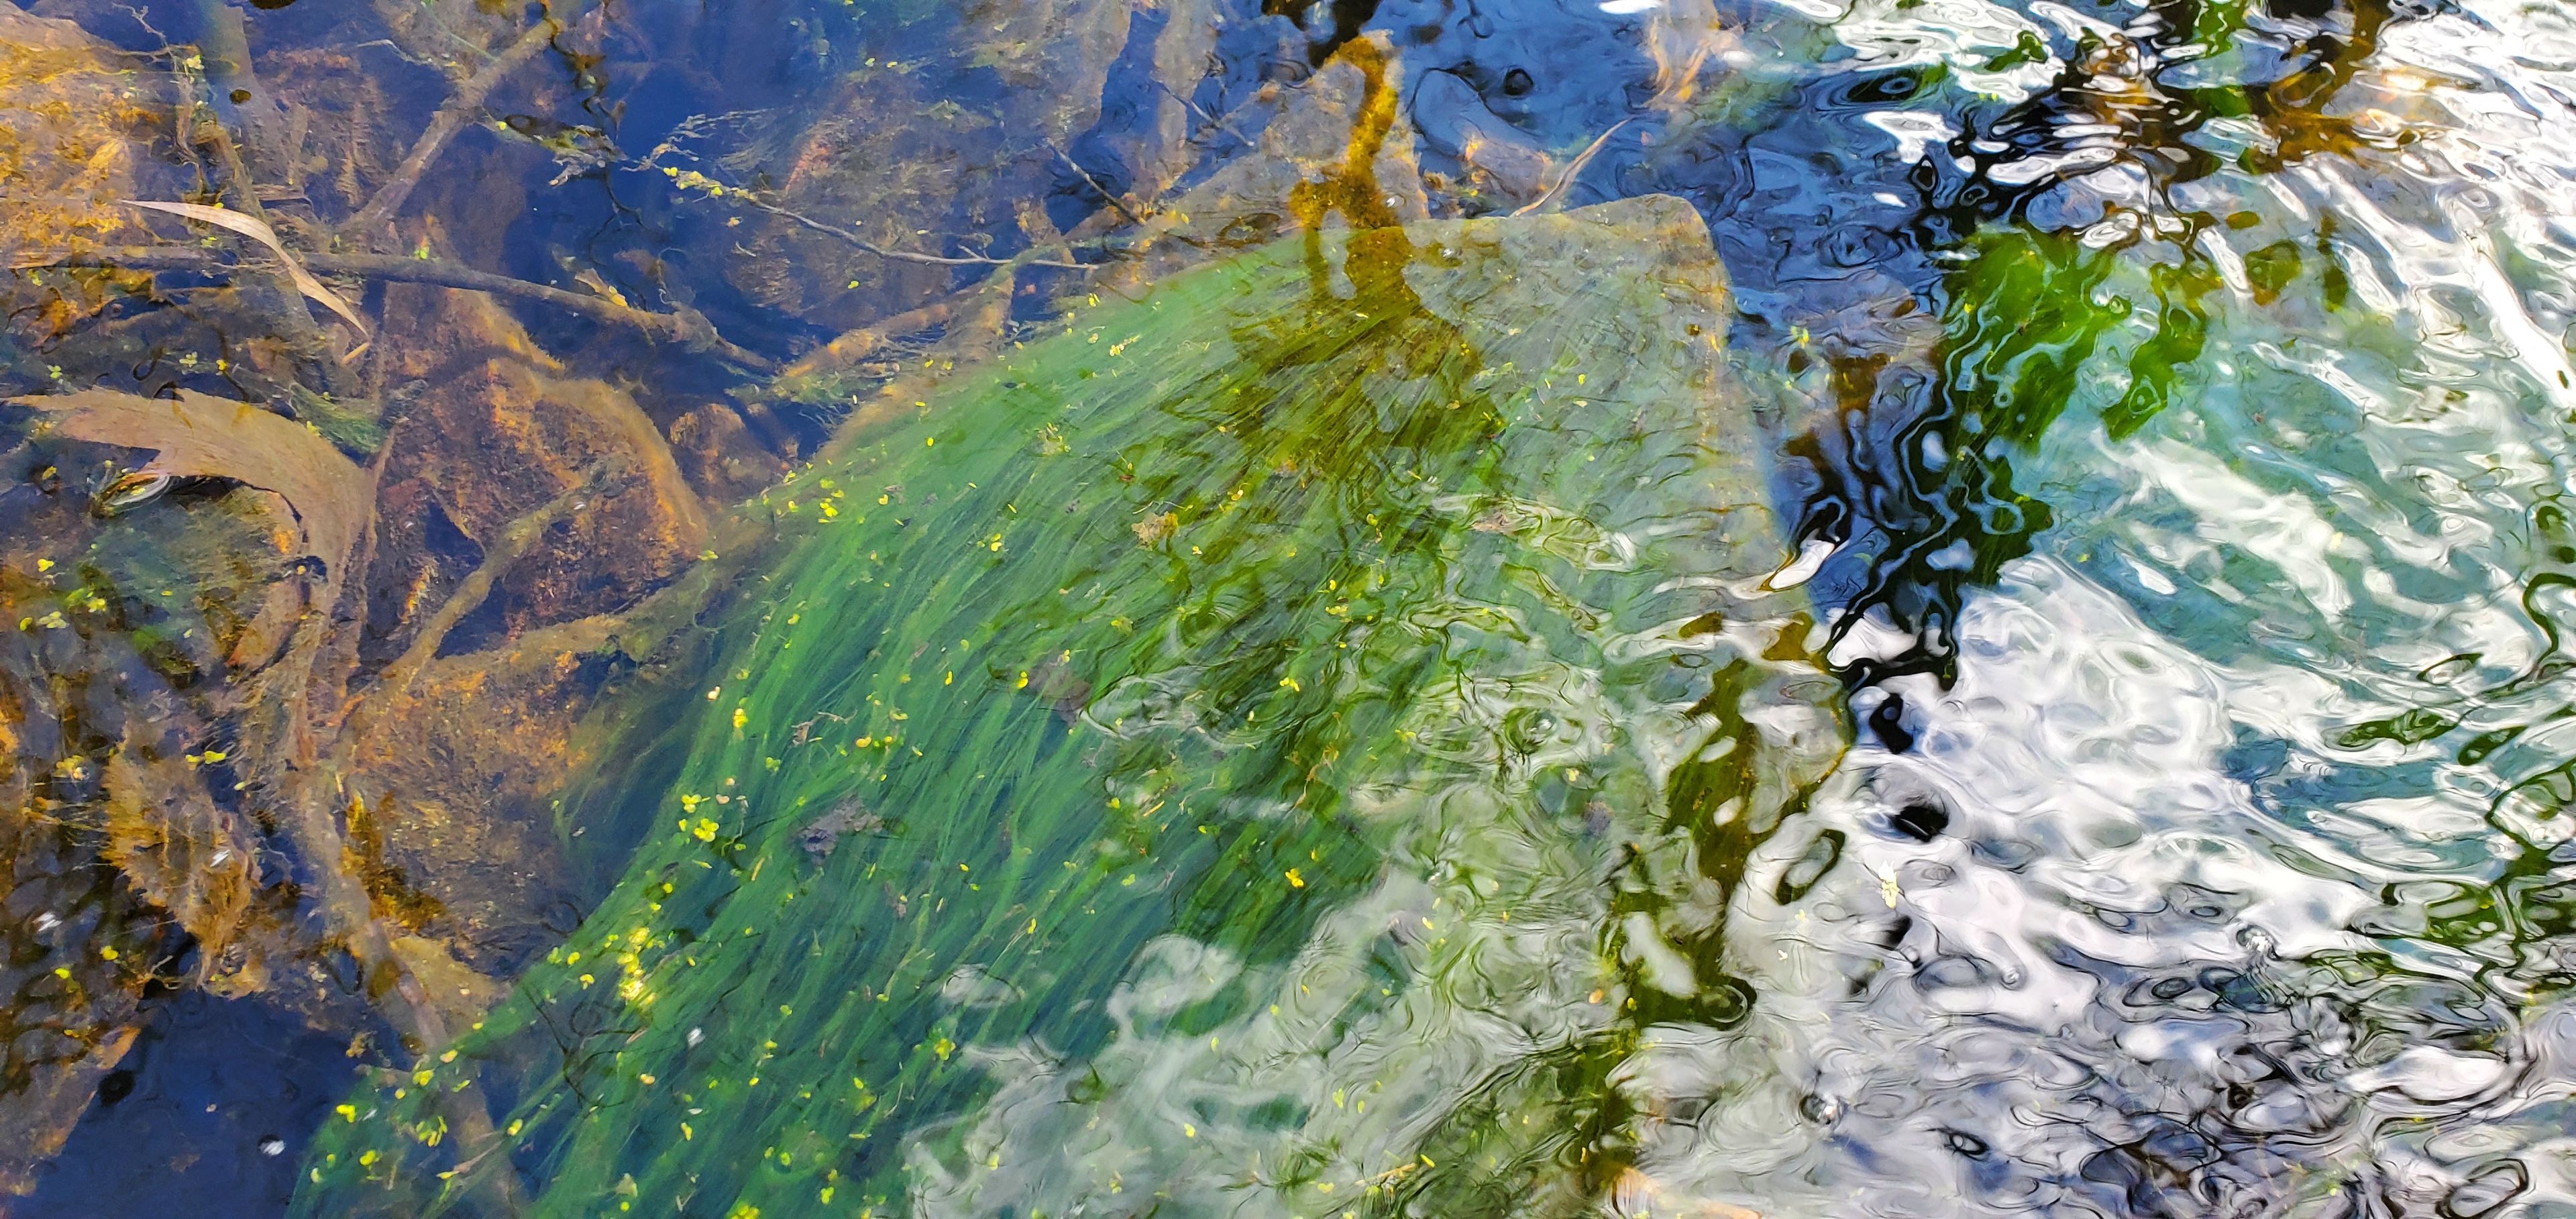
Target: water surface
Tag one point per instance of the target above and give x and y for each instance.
(1420, 608)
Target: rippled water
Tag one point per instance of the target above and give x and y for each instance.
(1918, 608)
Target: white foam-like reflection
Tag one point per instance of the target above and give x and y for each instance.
(2205, 889)
(2108, 984)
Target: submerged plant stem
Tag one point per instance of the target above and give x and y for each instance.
(443, 126)
(933, 260)
(689, 329)
(514, 541)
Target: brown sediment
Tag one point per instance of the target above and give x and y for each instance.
(71, 118)
(391, 893)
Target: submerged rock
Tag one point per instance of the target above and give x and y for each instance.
(500, 429)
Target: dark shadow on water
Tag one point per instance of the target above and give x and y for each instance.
(195, 1106)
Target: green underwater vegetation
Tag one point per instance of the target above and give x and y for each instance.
(1182, 762)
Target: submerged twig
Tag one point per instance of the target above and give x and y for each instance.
(859, 343)
(1572, 168)
(935, 260)
(443, 126)
(1094, 183)
(985, 310)
(279, 300)
(513, 542)
(687, 328)
(1207, 122)
(856, 344)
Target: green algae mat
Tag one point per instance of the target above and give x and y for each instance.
(1269, 749)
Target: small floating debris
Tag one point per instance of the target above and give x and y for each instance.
(850, 817)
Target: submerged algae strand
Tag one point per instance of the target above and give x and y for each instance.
(1289, 691)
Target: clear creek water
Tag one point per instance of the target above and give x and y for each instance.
(1434, 607)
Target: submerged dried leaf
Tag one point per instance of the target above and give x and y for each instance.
(131, 491)
(251, 227)
(200, 436)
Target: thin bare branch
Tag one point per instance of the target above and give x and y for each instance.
(687, 328)
(1572, 168)
(505, 550)
(1094, 183)
(934, 260)
(443, 126)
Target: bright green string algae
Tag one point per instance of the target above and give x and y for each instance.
(1181, 767)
